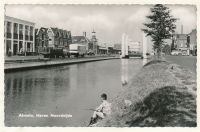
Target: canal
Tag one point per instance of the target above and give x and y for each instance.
(68, 89)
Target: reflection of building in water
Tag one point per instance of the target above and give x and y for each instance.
(124, 71)
(73, 72)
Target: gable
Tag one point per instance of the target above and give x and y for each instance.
(68, 34)
(57, 34)
(50, 32)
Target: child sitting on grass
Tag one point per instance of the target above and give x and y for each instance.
(102, 110)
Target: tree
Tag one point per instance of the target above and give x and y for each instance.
(172, 47)
(161, 26)
(166, 49)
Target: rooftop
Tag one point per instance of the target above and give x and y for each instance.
(8, 18)
(78, 39)
(182, 36)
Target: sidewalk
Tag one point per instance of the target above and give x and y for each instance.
(41, 57)
(21, 65)
(18, 58)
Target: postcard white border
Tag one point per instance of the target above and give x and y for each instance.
(85, 129)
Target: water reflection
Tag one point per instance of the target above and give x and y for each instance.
(145, 61)
(64, 90)
(124, 71)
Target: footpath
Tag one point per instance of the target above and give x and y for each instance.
(16, 63)
(161, 94)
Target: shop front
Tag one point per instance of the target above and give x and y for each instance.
(102, 50)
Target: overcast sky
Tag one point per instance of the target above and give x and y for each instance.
(109, 21)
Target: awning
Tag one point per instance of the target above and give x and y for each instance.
(183, 48)
(102, 48)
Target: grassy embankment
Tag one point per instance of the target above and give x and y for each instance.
(161, 94)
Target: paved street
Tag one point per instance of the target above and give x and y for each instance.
(188, 62)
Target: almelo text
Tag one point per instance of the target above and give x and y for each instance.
(45, 115)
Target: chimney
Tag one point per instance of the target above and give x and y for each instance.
(181, 29)
(84, 34)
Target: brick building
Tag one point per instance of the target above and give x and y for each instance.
(186, 43)
(59, 38)
(41, 40)
(192, 40)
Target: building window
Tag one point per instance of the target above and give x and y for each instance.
(26, 33)
(31, 33)
(20, 46)
(15, 31)
(9, 35)
(20, 31)
(8, 45)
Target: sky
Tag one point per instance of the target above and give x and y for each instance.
(108, 21)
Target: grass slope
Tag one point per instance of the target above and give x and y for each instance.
(161, 94)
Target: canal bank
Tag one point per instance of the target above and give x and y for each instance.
(26, 64)
(160, 94)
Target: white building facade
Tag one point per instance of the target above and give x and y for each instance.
(19, 35)
(134, 46)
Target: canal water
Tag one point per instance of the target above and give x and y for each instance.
(67, 90)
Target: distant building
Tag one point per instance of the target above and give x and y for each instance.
(69, 38)
(186, 43)
(110, 49)
(181, 43)
(18, 36)
(117, 48)
(84, 41)
(192, 40)
(94, 41)
(134, 46)
(102, 49)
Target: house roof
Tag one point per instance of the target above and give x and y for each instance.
(68, 34)
(60, 31)
(88, 40)
(181, 36)
(65, 33)
(193, 37)
(54, 30)
(79, 39)
(41, 28)
(36, 30)
(193, 31)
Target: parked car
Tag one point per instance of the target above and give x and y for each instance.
(162, 53)
(184, 53)
(175, 52)
(152, 53)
